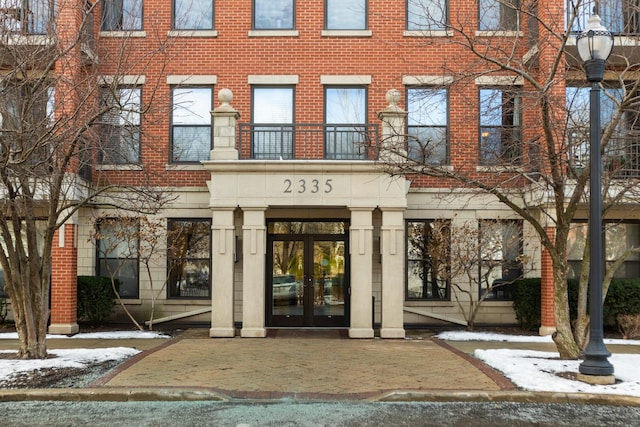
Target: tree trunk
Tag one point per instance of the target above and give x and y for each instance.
(563, 337)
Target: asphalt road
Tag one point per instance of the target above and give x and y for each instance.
(294, 413)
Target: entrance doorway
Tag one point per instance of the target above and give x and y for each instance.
(307, 283)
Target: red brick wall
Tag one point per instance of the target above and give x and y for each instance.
(547, 287)
(64, 278)
(387, 56)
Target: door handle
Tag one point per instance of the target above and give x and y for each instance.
(309, 281)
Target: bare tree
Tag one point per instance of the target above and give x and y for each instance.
(59, 115)
(519, 56)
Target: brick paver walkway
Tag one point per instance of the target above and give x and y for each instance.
(304, 365)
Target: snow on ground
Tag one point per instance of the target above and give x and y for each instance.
(537, 370)
(70, 358)
(529, 370)
(116, 335)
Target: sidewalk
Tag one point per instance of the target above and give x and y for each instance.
(306, 365)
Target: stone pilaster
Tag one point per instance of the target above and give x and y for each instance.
(253, 273)
(393, 256)
(361, 248)
(222, 262)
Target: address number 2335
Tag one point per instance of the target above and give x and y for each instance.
(312, 186)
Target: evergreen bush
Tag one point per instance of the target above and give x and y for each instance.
(96, 299)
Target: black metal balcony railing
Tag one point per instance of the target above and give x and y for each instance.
(279, 141)
(27, 17)
(621, 158)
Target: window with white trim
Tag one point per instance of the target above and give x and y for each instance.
(122, 15)
(426, 15)
(120, 126)
(346, 136)
(191, 124)
(427, 125)
(346, 14)
(500, 126)
(273, 14)
(193, 15)
(498, 15)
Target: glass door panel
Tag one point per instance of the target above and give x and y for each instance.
(287, 278)
(329, 279)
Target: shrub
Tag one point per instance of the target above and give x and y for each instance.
(526, 302)
(96, 299)
(629, 325)
(623, 297)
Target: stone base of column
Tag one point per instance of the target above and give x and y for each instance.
(596, 379)
(64, 328)
(361, 333)
(546, 330)
(222, 332)
(397, 333)
(253, 332)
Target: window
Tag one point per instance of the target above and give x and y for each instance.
(120, 126)
(500, 257)
(26, 16)
(190, 124)
(189, 258)
(622, 151)
(193, 14)
(500, 126)
(346, 135)
(428, 262)
(122, 15)
(26, 115)
(578, 121)
(427, 128)
(117, 257)
(427, 15)
(618, 16)
(272, 118)
(618, 237)
(346, 14)
(273, 14)
(498, 15)
(41, 227)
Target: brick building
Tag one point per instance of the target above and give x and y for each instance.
(273, 125)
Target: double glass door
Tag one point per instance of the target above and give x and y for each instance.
(307, 280)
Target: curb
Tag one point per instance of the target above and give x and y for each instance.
(398, 396)
(110, 395)
(510, 396)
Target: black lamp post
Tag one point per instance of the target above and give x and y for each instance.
(595, 44)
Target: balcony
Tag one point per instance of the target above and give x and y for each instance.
(621, 159)
(26, 17)
(621, 17)
(303, 141)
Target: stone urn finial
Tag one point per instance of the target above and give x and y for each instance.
(393, 97)
(225, 96)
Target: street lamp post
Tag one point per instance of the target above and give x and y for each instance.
(595, 44)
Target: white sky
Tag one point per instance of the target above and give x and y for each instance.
(529, 370)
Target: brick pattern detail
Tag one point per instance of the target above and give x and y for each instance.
(64, 288)
(547, 288)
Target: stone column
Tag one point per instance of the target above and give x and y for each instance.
(393, 256)
(222, 261)
(361, 249)
(253, 273)
(224, 128)
(393, 140)
(64, 281)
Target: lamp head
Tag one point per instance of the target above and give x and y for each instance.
(594, 44)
